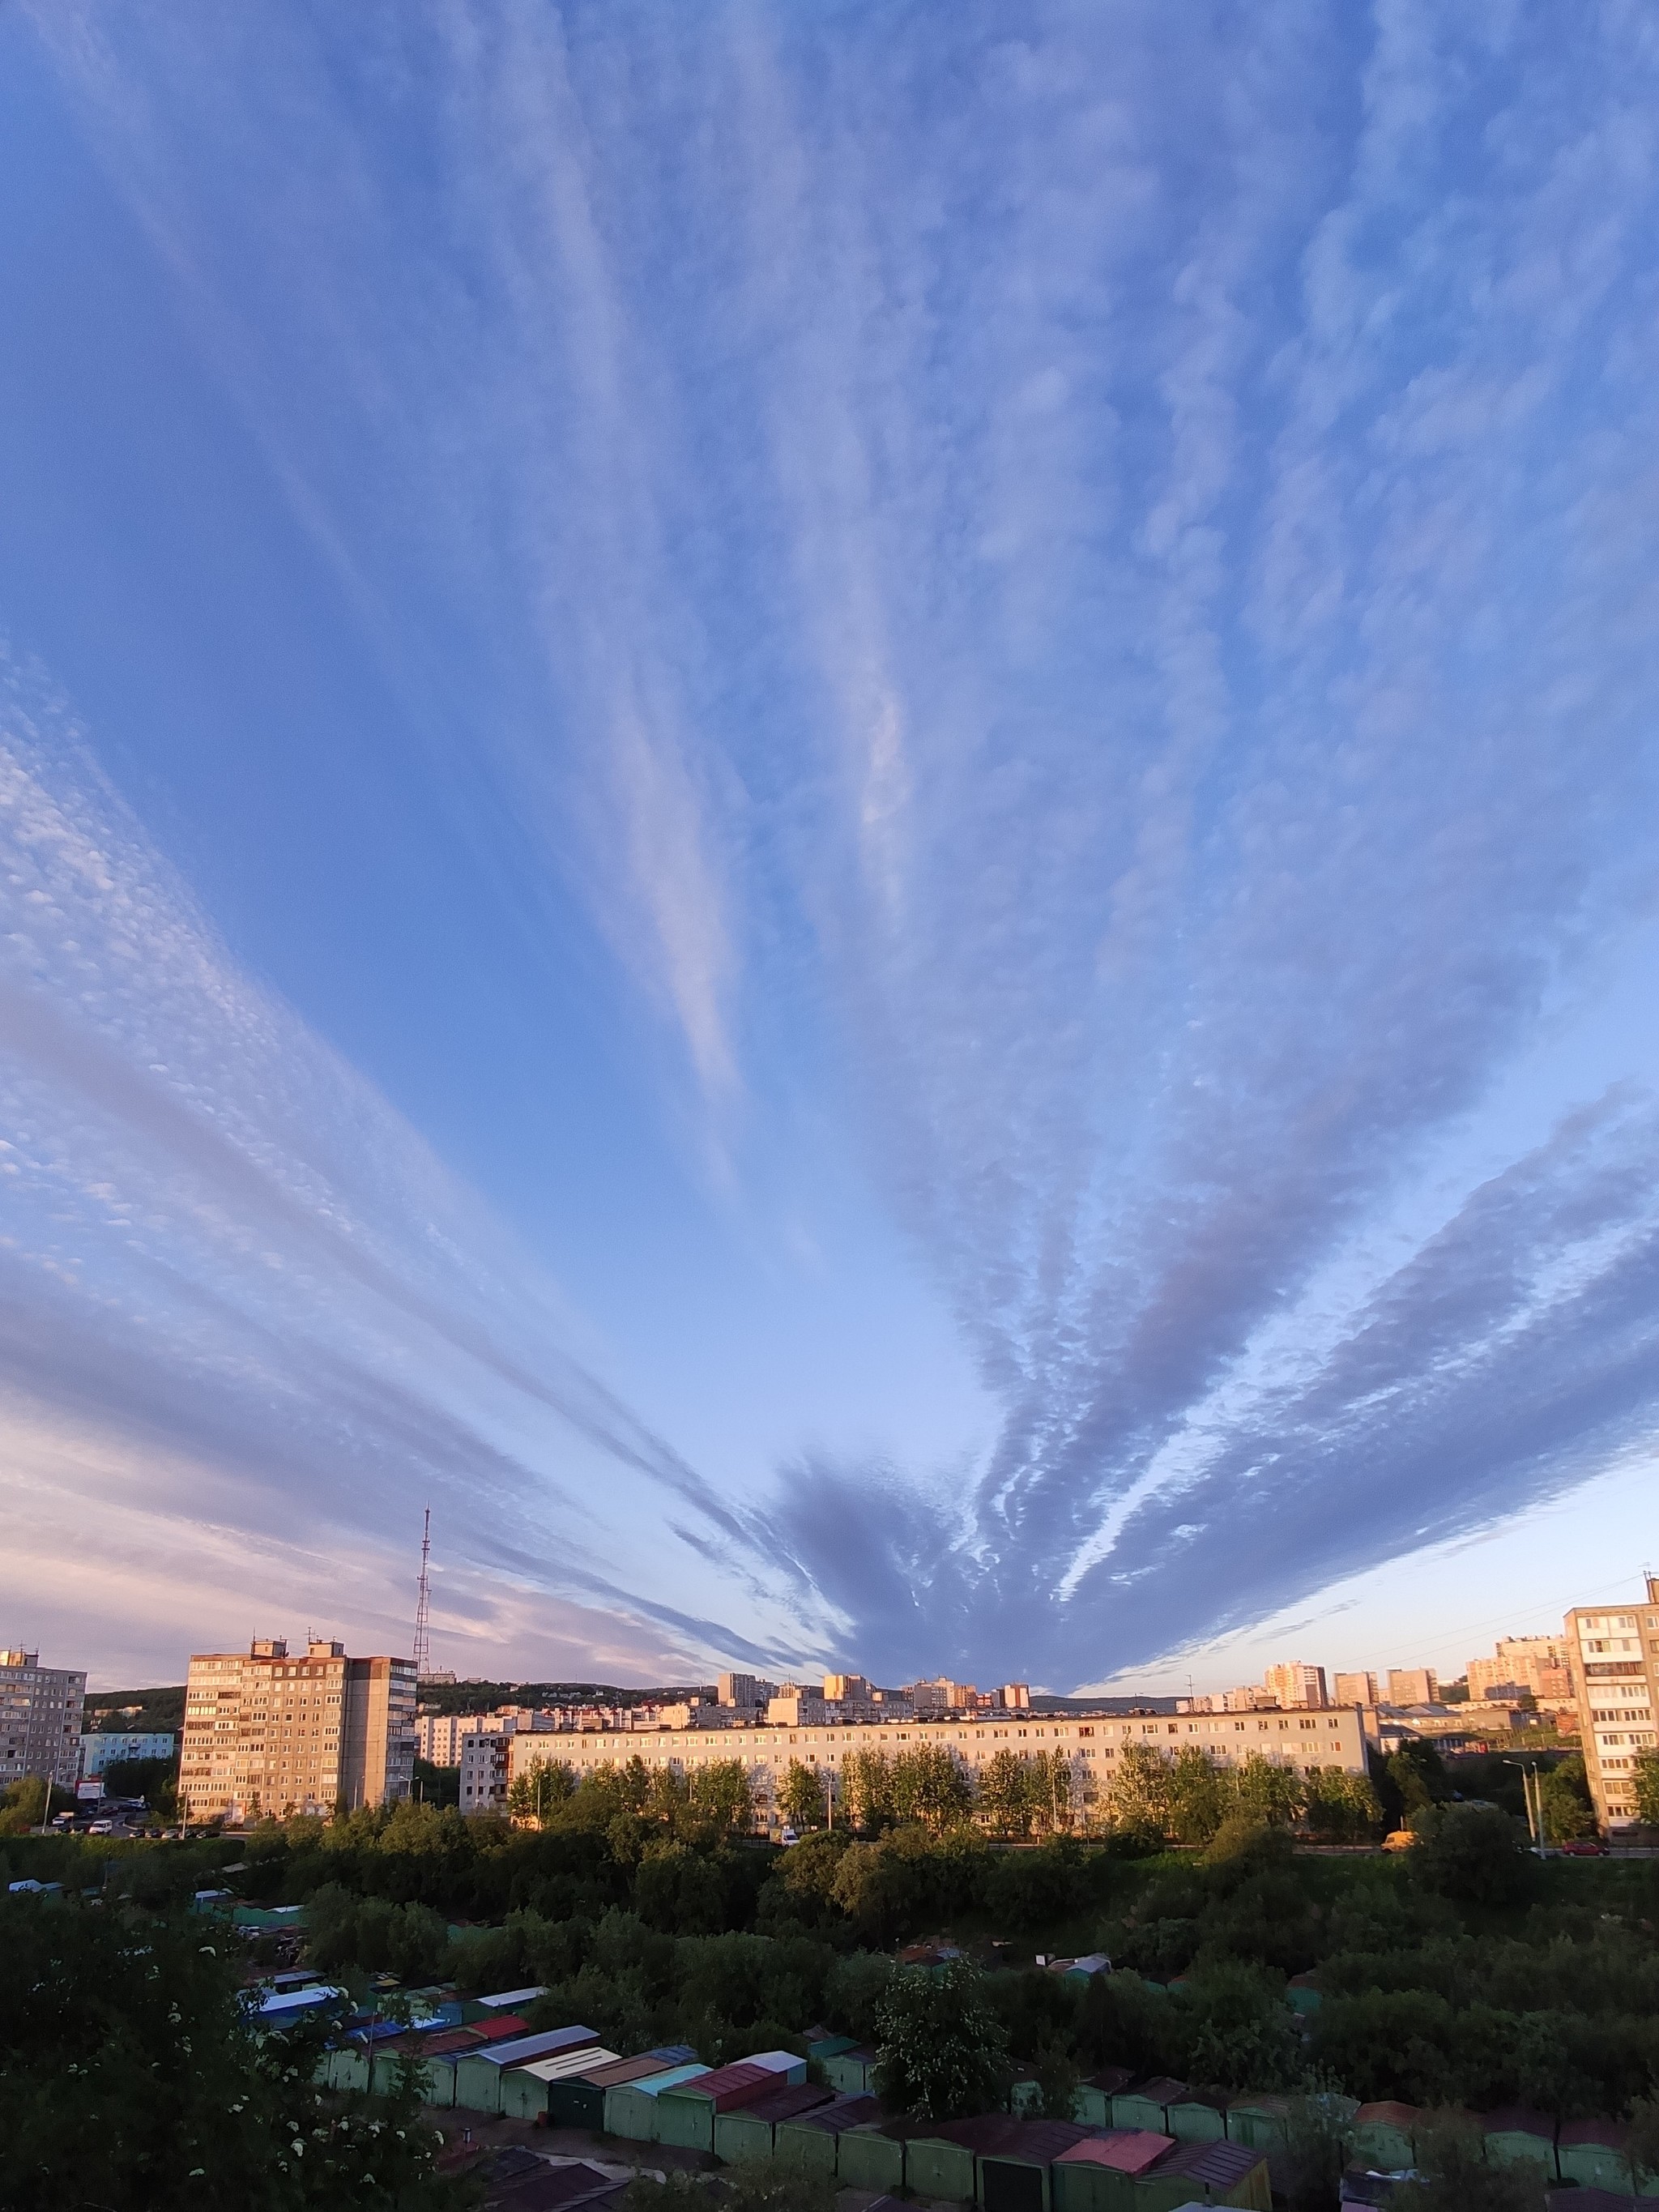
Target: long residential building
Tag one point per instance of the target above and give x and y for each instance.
(39, 1719)
(115, 1747)
(1093, 1746)
(1615, 1653)
(266, 1731)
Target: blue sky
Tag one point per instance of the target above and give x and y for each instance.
(847, 813)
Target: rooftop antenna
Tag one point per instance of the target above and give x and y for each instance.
(423, 1603)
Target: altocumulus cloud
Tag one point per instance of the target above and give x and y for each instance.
(1120, 545)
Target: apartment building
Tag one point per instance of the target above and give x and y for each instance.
(749, 1690)
(1541, 1664)
(39, 1719)
(1093, 1744)
(484, 1767)
(115, 1747)
(1614, 1654)
(438, 1736)
(1356, 1690)
(1413, 1685)
(1293, 1682)
(941, 1695)
(268, 1731)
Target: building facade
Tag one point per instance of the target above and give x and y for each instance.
(39, 1720)
(1413, 1685)
(1542, 1664)
(112, 1748)
(1614, 1654)
(268, 1732)
(1293, 1683)
(483, 1765)
(1356, 1690)
(1092, 1745)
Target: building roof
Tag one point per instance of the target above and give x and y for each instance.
(1037, 2142)
(613, 2072)
(725, 2086)
(1125, 2150)
(509, 2000)
(1607, 2135)
(843, 2113)
(1518, 2120)
(653, 2085)
(1389, 2113)
(788, 2100)
(1110, 2080)
(775, 2062)
(1160, 2088)
(523, 2048)
(563, 2066)
(1218, 2165)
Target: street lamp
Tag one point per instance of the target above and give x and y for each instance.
(1532, 1789)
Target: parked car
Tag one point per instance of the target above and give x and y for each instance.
(1582, 1847)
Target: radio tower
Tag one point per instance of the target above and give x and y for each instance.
(423, 1602)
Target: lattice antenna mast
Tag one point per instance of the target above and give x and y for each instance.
(423, 1602)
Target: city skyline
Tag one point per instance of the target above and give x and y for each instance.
(854, 826)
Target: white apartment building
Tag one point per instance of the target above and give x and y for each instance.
(483, 1765)
(1359, 1689)
(268, 1732)
(39, 1719)
(1615, 1653)
(1093, 1745)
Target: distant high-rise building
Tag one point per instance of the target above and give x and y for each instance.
(1615, 1660)
(1016, 1695)
(1542, 1664)
(1413, 1685)
(39, 1720)
(1355, 1690)
(746, 1690)
(268, 1733)
(1248, 1697)
(845, 1689)
(1293, 1682)
(941, 1695)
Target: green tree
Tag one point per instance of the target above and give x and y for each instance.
(1243, 2036)
(23, 1805)
(1565, 1800)
(941, 2047)
(537, 1793)
(1641, 2144)
(129, 2078)
(154, 1780)
(867, 1789)
(1455, 2176)
(1647, 1788)
(1339, 1806)
(1058, 2078)
(800, 1797)
(1138, 1799)
(720, 1797)
(1417, 1773)
(929, 1786)
(1199, 1795)
(1474, 1854)
(1005, 1794)
(1276, 1795)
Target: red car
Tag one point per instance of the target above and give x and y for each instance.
(1582, 1847)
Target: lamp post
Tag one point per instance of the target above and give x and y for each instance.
(1532, 1790)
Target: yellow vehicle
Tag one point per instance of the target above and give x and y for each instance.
(1401, 1840)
